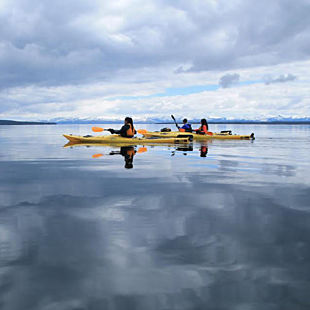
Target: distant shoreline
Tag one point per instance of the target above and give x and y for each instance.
(9, 122)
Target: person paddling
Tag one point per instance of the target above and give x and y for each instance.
(204, 128)
(187, 127)
(127, 131)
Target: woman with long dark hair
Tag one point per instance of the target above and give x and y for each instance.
(204, 128)
(127, 131)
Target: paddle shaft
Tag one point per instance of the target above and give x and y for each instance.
(175, 122)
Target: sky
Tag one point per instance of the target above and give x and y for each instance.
(152, 58)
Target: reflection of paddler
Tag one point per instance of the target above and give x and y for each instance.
(128, 152)
(203, 151)
(183, 149)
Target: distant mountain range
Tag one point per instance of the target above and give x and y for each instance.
(247, 121)
(168, 120)
(163, 120)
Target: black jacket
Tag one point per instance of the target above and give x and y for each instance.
(123, 131)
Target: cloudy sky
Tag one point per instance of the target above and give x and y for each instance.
(152, 58)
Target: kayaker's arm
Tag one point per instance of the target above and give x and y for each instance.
(122, 131)
(115, 153)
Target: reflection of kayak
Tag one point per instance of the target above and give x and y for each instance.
(112, 145)
(116, 139)
(195, 136)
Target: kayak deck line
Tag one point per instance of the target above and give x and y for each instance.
(116, 139)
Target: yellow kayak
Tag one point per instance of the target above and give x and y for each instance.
(195, 136)
(116, 139)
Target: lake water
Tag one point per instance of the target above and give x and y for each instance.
(221, 226)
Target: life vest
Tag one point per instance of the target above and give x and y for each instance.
(203, 128)
(130, 131)
(131, 152)
(186, 128)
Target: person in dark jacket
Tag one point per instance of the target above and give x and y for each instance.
(186, 126)
(127, 131)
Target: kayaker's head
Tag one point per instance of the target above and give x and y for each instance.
(128, 165)
(128, 120)
(204, 122)
(129, 162)
(184, 120)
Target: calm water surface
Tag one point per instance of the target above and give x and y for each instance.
(221, 226)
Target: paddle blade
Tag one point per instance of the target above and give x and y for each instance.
(142, 131)
(142, 150)
(209, 133)
(97, 155)
(97, 129)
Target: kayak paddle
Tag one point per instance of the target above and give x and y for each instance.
(142, 131)
(98, 129)
(175, 122)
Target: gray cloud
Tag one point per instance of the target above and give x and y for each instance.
(229, 80)
(50, 44)
(280, 79)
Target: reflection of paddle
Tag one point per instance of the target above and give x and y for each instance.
(140, 150)
(97, 155)
(99, 129)
(175, 122)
